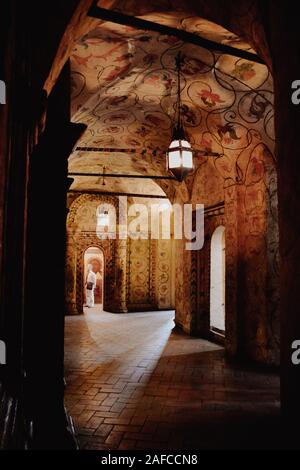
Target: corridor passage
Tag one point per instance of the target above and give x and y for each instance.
(133, 382)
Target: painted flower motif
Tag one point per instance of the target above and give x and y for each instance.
(117, 72)
(164, 289)
(82, 60)
(192, 66)
(227, 133)
(153, 80)
(190, 116)
(139, 292)
(206, 144)
(258, 107)
(209, 98)
(163, 277)
(157, 80)
(244, 71)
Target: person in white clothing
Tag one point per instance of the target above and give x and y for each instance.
(90, 286)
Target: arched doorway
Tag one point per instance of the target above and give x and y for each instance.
(217, 281)
(94, 256)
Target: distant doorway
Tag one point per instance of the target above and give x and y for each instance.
(94, 256)
(217, 282)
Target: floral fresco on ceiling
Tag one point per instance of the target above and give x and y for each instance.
(124, 89)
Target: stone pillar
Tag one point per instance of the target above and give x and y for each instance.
(231, 269)
(120, 305)
(45, 275)
(71, 276)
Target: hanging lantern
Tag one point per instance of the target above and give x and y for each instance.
(180, 155)
(180, 152)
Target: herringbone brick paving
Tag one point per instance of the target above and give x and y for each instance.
(133, 383)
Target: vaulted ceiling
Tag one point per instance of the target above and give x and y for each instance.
(124, 90)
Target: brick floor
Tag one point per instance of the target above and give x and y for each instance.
(133, 383)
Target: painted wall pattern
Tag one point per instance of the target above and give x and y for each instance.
(124, 89)
(139, 281)
(165, 274)
(81, 234)
(137, 272)
(250, 218)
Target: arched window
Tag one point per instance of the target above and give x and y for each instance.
(94, 256)
(217, 281)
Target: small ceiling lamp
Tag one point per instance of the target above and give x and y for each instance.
(180, 152)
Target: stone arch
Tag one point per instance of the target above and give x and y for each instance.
(80, 241)
(85, 198)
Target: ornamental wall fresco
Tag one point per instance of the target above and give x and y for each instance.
(124, 89)
(247, 206)
(81, 234)
(137, 274)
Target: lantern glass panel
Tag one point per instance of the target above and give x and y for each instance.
(175, 159)
(174, 144)
(187, 159)
(185, 143)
